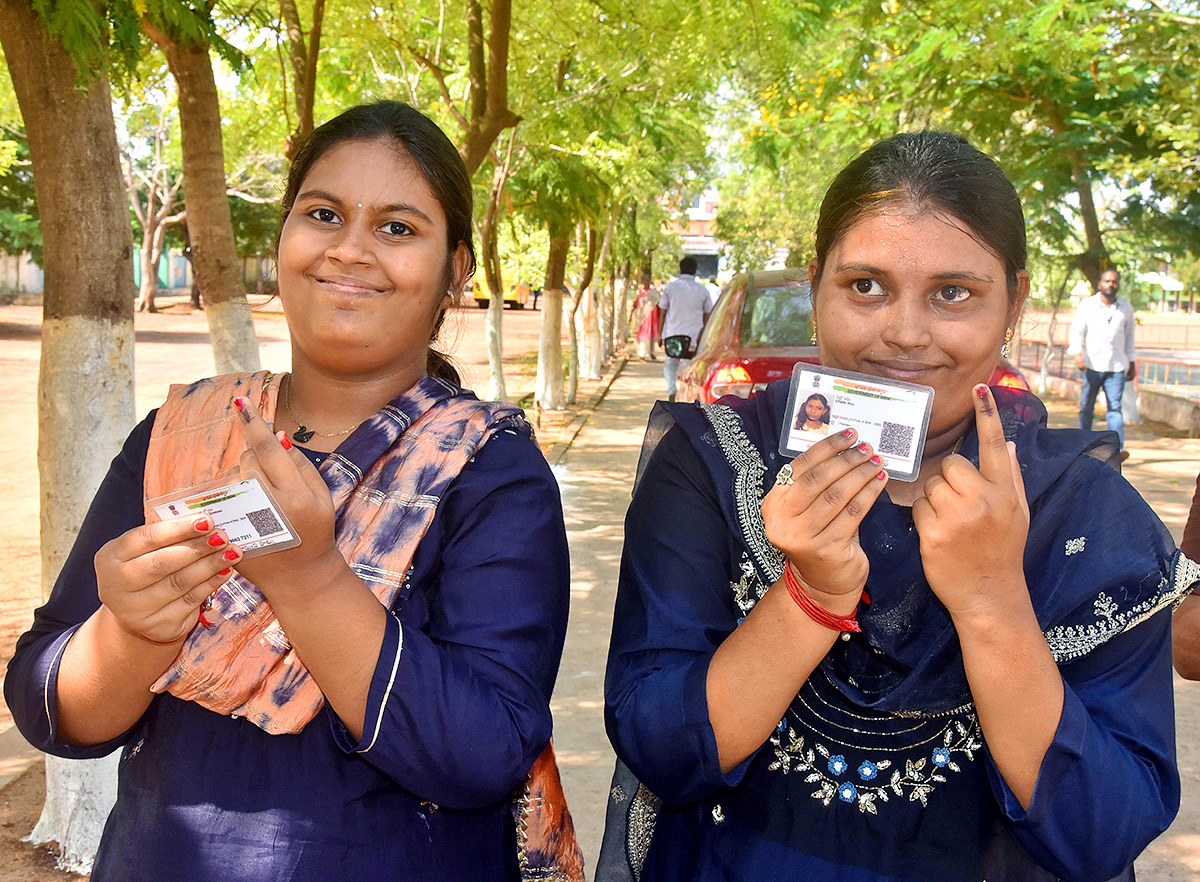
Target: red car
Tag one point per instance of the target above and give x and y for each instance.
(760, 327)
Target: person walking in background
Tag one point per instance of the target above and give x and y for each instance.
(682, 311)
(646, 318)
(1102, 343)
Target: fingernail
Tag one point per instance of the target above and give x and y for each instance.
(982, 391)
(226, 571)
(882, 475)
(240, 404)
(865, 447)
(876, 460)
(285, 441)
(216, 540)
(849, 433)
(202, 525)
(230, 554)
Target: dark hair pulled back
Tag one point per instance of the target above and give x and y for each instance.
(929, 170)
(434, 156)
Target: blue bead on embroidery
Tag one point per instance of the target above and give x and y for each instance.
(837, 764)
(847, 792)
(867, 770)
(941, 756)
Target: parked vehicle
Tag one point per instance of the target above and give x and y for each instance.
(759, 329)
(515, 297)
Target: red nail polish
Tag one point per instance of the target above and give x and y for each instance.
(240, 404)
(226, 571)
(202, 525)
(849, 433)
(216, 540)
(230, 555)
(865, 447)
(981, 391)
(882, 474)
(876, 460)
(286, 442)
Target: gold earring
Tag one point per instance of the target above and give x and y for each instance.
(814, 336)
(1006, 349)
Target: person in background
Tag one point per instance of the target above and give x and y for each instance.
(682, 311)
(362, 705)
(1102, 343)
(645, 317)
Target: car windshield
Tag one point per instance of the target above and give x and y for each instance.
(777, 316)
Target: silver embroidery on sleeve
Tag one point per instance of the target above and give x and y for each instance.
(643, 815)
(748, 471)
(1069, 642)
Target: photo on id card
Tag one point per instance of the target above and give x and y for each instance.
(890, 415)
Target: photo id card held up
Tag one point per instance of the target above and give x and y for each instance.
(241, 506)
(891, 416)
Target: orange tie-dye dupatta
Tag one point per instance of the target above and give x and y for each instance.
(386, 480)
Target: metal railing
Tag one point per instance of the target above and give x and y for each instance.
(1179, 378)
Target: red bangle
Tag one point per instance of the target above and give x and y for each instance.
(814, 610)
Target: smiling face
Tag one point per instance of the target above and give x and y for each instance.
(913, 296)
(363, 263)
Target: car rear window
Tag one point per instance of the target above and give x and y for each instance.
(777, 316)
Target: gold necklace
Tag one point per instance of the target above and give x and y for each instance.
(303, 433)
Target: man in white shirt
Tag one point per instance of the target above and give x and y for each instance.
(683, 309)
(1102, 343)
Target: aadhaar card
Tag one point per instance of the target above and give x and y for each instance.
(242, 507)
(891, 416)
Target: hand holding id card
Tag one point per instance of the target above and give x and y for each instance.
(891, 416)
(241, 506)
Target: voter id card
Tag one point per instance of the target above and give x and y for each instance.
(241, 506)
(890, 415)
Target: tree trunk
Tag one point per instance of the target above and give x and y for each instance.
(488, 88)
(303, 59)
(549, 386)
(214, 255)
(604, 298)
(149, 259)
(621, 306)
(489, 230)
(1048, 353)
(85, 382)
(1095, 259)
(581, 288)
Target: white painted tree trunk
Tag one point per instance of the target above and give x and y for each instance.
(496, 390)
(549, 391)
(231, 330)
(621, 307)
(85, 391)
(607, 319)
(592, 362)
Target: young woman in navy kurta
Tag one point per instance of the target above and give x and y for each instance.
(463, 679)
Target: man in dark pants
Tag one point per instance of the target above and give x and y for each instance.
(1102, 343)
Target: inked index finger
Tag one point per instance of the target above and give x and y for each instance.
(994, 463)
(271, 457)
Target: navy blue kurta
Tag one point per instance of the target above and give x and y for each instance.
(879, 769)
(464, 679)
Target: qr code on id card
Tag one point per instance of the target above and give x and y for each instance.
(264, 521)
(896, 439)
